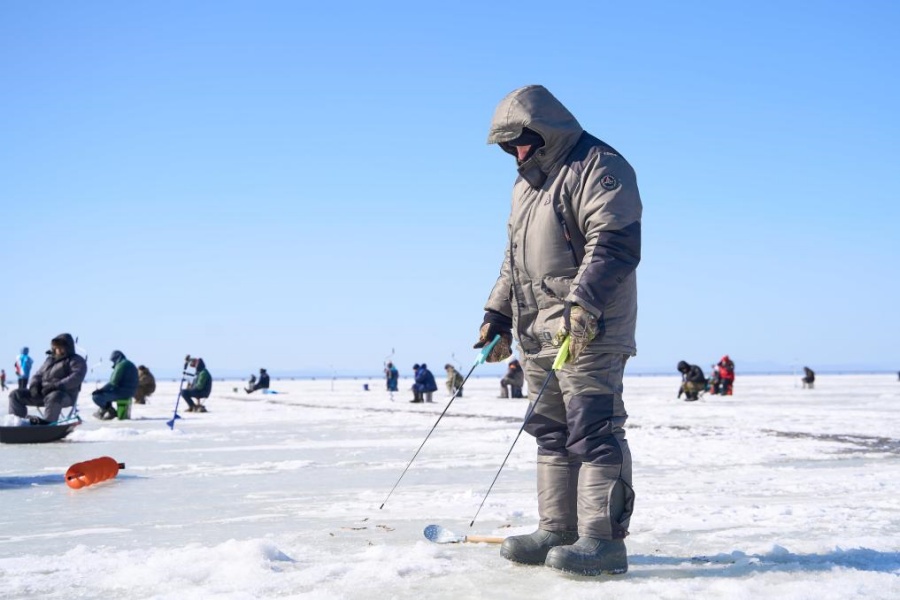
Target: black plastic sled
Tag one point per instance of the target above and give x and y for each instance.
(36, 434)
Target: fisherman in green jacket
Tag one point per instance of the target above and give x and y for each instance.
(200, 387)
(122, 385)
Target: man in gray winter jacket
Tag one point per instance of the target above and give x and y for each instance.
(55, 385)
(569, 270)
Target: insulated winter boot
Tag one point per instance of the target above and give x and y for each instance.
(104, 413)
(590, 556)
(557, 480)
(531, 549)
(605, 504)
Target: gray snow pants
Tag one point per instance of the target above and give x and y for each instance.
(53, 403)
(579, 422)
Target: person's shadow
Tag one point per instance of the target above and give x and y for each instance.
(9, 483)
(778, 560)
(24, 481)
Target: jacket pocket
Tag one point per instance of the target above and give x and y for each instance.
(554, 291)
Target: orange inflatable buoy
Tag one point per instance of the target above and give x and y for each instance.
(92, 471)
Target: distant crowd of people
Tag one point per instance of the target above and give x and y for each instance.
(721, 380)
(57, 384)
(424, 384)
(694, 382)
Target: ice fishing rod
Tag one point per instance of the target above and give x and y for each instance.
(479, 359)
(560, 360)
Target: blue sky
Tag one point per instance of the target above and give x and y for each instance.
(307, 186)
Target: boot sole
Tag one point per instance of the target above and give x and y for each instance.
(553, 563)
(517, 559)
(588, 572)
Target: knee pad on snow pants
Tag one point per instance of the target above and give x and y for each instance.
(605, 502)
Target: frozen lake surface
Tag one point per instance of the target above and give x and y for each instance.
(775, 492)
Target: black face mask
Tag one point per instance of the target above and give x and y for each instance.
(528, 168)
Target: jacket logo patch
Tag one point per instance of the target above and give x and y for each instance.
(609, 182)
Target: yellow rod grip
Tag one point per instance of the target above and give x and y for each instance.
(562, 356)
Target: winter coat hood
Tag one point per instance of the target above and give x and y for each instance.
(66, 341)
(64, 373)
(535, 108)
(116, 356)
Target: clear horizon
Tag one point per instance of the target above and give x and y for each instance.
(235, 376)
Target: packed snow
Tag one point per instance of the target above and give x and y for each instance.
(774, 492)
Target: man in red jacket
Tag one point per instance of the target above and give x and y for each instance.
(726, 375)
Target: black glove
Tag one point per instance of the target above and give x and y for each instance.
(496, 323)
(35, 391)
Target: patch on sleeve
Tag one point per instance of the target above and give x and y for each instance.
(609, 182)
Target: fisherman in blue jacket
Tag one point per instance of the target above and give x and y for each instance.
(391, 376)
(425, 383)
(23, 368)
(417, 396)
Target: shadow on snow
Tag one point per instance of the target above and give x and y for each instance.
(779, 560)
(10, 483)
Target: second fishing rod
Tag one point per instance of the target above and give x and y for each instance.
(479, 359)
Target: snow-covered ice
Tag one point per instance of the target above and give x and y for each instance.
(775, 492)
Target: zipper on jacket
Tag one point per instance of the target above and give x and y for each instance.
(567, 236)
(512, 274)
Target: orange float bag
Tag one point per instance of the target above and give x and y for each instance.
(92, 471)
